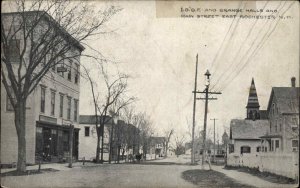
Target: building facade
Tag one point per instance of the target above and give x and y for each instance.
(283, 110)
(88, 138)
(51, 110)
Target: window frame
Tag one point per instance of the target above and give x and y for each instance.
(52, 103)
(17, 57)
(43, 99)
(69, 106)
(87, 131)
(61, 105)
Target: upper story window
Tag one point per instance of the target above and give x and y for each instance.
(76, 74)
(43, 93)
(69, 108)
(75, 109)
(70, 71)
(295, 124)
(52, 103)
(295, 145)
(60, 68)
(273, 109)
(14, 51)
(86, 131)
(61, 105)
(9, 106)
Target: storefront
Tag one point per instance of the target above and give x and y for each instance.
(52, 142)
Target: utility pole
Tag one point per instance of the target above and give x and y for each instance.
(194, 112)
(214, 138)
(206, 92)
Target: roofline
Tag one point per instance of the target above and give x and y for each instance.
(76, 42)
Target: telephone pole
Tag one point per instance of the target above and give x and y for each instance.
(206, 92)
(194, 112)
(214, 138)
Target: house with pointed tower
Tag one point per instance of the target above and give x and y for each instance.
(245, 133)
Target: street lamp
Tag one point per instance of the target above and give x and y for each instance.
(207, 74)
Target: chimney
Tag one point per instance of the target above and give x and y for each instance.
(293, 80)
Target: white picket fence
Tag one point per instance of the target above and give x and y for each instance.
(284, 164)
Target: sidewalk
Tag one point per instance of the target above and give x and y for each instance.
(249, 179)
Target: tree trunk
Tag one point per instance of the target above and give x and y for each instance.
(98, 148)
(102, 144)
(20, 114)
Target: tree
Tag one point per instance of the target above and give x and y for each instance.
(111, 103)
(167, 139)
(179, 147)
(39, 36)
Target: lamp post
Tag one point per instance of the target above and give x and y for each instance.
(207, 74)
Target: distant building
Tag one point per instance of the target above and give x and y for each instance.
(157, 146)
(124, 138)
(51, 108)
(88, 137)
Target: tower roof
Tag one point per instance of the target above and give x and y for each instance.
(252, 99)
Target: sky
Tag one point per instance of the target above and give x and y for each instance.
(158, 49)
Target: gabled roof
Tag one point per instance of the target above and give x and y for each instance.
(287, 99)
(248, 129)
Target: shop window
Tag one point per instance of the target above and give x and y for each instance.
(245, 149)
(65, 139)
(295, 145)
(86, 131)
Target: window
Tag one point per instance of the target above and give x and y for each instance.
(9, 106)
(77, 74)
(272, 145)
(43, 92)
(70, 71)
(61, 105)
(258, 149)
(273, 109)
(276, 145)
(295, 145)
(14, 51)
(52, 103)
(69, 109)
(75, 109)
(245, 149)
(61, 68)
(295, 125)
(276, 126)
(86, 131)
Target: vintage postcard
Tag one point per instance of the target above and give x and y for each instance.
(102, 93)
